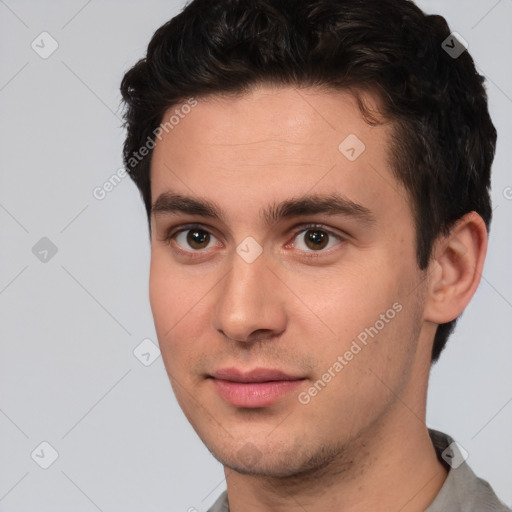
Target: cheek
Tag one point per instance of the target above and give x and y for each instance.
(358, 376)
(341, 302)
(181, 308)
(367, 313)
(163, 295)
(172, 301)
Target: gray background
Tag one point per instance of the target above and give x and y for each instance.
(70, 324)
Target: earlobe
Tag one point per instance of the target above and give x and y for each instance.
(457, 264)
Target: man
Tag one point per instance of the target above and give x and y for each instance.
(316, 177)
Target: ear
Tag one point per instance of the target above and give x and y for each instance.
(455, 269)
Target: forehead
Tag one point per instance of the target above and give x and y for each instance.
(274, 143)
(283, 115)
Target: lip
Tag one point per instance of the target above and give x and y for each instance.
(259, 387)
(255, 375)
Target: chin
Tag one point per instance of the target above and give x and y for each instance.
(273, 461)
(274, 469)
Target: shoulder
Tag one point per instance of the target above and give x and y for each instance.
(462, 489)
(221, 505)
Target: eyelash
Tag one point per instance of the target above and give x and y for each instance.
(197, 254)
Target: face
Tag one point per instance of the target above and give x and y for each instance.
(284, 284)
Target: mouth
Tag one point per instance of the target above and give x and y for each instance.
(256, 388)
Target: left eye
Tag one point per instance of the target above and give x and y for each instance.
(196, 238)
(314, 239)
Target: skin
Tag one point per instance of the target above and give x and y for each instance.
(361, 443)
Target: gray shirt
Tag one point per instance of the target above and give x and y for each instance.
(462, 490)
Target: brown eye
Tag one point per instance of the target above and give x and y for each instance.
(315, 239)
(193, 239)
(196, 238)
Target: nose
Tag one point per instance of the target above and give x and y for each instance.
(250, 302)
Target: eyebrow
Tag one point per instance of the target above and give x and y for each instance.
(333, 204)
